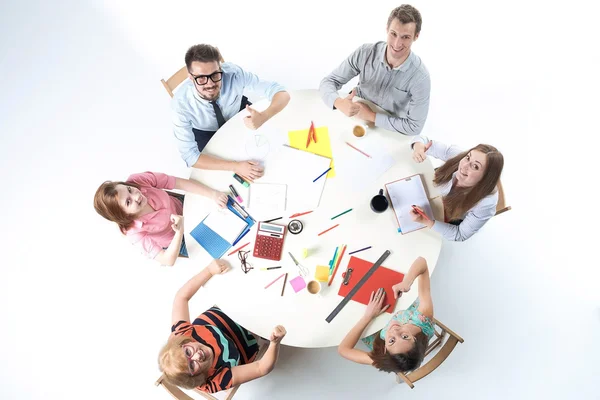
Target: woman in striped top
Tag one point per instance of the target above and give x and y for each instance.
(212, 353)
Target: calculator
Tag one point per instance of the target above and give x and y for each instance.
(269, 241)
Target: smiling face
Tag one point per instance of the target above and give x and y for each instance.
(131, 200)
(199, 71)
(471, 168)
(400, 338)
(400, 38)
(199, 356)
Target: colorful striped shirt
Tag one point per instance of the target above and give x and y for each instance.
(231, 344)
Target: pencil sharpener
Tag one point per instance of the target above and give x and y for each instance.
(295, 227)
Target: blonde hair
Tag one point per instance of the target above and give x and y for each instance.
(173, 363)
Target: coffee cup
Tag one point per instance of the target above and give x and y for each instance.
(379, 203)
(313, 287)
(359, 131)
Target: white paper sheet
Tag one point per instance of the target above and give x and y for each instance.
(226, 224)
(403, 194)
(267, 197)
(358, 170)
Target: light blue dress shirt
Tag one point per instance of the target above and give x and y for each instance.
(190, 111)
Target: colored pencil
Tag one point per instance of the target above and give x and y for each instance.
(268, 268)
(278, 278)
(333, 260)
(317, 178)
(238, 249)
(299, 214)
(360, 151)
(339, 215)
(356, 251)
(337, 265)
(327, 230)
(284, 282)
(271, 220)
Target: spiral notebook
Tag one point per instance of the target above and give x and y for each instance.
(404, 193)
(221, 229)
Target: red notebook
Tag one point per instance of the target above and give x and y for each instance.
(382, 277)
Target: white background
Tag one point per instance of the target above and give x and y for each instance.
(84, 315)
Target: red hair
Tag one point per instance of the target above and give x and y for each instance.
(106, 203)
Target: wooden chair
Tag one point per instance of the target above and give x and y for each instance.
(177, 78)
(501, 206)
(443, 353)
(179, 394)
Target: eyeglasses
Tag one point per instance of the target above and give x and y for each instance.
(203, 79)
(189, 352)
(243, 256)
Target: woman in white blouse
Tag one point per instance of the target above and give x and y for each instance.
(467, 182)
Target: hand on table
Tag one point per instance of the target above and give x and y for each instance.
(365, 113)
(255, 119)
(277, 334)
(249, 170)
(375, 306)
(177, 223)
(347, 106)
(419, 150)
(217, 267)
(220, 198)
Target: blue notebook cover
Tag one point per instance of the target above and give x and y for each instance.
(214, 244)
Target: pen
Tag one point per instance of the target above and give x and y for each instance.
(235, 194)
(317, 178)
(266, 269)
(356, 251)
(271, 220)
(241, 180)
(420, 213)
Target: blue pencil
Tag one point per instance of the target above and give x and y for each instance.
(356, 251)
(321, 174)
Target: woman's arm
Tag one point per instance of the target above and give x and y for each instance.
(346, 348)
(191, 186)
(417, 269)
(181, 310)
(244, 373)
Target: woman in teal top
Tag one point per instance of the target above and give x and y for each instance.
(400, 346)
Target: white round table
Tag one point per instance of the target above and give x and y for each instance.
(243, 296)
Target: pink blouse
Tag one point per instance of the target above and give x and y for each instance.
(153, 231)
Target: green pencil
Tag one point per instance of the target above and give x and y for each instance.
(339, 215)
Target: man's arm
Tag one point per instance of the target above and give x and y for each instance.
(256, 118)
(333, 82)
(418, 107)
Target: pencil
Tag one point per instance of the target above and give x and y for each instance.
(278, 278)
(340, 214)
(356, 251)
(327, 230)
(360, 151)
(284, 282)
(299, 214)
(336, 266)
(239, 248)
(271, 220)
(268, 268)
(317, 178)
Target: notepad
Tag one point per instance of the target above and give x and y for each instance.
(267, 197)
(322, 147)
(225, 224)
(404, 193)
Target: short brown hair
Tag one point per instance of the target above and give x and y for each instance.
(172, 362)
(461, 200)
(202, 53)
(401, 362)
(406, 14)
(107, 205)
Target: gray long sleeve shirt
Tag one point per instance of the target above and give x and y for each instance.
(402, 91)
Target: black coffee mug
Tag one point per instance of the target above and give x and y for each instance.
(379, 203)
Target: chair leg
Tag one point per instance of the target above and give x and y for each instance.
(401, 377)
(450, 331)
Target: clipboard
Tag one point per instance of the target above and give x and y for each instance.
(211, 241)
(382, 278)
(403, 193)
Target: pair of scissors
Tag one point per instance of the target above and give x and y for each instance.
(312, 134)
(302, 268)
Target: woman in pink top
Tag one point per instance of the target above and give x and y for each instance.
(148, 215)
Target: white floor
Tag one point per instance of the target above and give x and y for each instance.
(83, 315)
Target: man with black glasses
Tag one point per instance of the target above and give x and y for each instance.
(213, 94)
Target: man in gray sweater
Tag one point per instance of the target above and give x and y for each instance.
(390, 75)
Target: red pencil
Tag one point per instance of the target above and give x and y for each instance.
(327, 230)
(239, 248)
(278, 278)
(299, 214)
(420, 212)
(336, 265)
(359, 150)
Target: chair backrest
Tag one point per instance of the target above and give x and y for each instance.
(501, 206)
(437, 359)
(177, 78)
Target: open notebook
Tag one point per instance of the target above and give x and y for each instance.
(404, 193)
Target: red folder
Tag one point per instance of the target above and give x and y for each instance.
(382, 278)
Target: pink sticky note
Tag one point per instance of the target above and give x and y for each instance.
(298, 283)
